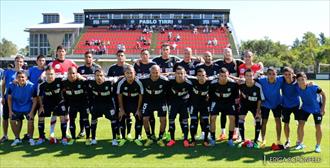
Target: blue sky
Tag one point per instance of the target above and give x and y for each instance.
(279, 20)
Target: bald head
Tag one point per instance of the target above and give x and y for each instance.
(154, 72)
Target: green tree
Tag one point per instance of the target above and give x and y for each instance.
(7, 48)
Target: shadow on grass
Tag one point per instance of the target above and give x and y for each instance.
(220, 152)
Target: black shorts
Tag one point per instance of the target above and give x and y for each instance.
(304, 116)
(130, 107)
(58, 110)
(73, 110)
(108, 112)
(276, 112)
(202, 109)
(20, 116)
(286, 112)
(227, 109)
(149, 108)
(179, 107)
(244, 109)
(5, 110)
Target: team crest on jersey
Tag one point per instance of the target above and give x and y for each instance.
(106, 88)
(254, 93)
(58, 85)
(160, 86)
(79, 86)
(228, 89)
(125, 88)
(57, 66)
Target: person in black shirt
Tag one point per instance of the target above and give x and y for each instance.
(154, 99)
(76, 100)
(117, 70)
(251, 96)
(210, 68)
(86, 70)
(129, 91)
(101, 91)
(199, 101)
(166, 61)
(143, 65)
(187, 63)
(231, 65)
(179, 87)
(51, 104)
(223, 95)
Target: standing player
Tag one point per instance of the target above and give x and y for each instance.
(51, 102)
(290, 102)
(271, 87)
(76, 100)
(86, 70)
(257, 69)
(8, 76)
(143, 65)
(21, 103)
(313, 102)
(129, 91)
(117, 70)
(101, 91)
(180, 87)
(154, 99)
(166, 61)
(35, 74)
(223, 95)
(199, 101)
(209, 66)
(61, 66)
(142, 68)
(187, 63)
(251, 96)
(231, 65)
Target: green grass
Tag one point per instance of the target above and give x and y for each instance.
(104, 155)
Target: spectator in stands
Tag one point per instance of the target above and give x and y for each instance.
(147, 42)
(177, 38)
(108, 43)
(87, 43)
(119, 46)
(209, 42)
(215, 42)
(195, 31)
(169, 36)
(138, 45)
(174, 45)
(103, 49)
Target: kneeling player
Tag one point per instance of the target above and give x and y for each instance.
(101, 101)
(51, 104)
(154, 99)
(180, 87)
(251, 97)
(129, 91)
(223, 95)
(313, 102)
(75, 96)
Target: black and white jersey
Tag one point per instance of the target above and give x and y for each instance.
(190, 67)
(130, 92)
(155, 91)
(210, 70)
(84, 70)
(179, 91)
(226, 93)
(116, 70)
(232, 67)
(199, 92)
(51, 93)
(250, 95)
(166, 65)
(100, 95)
(143, 69)
(75, 93)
